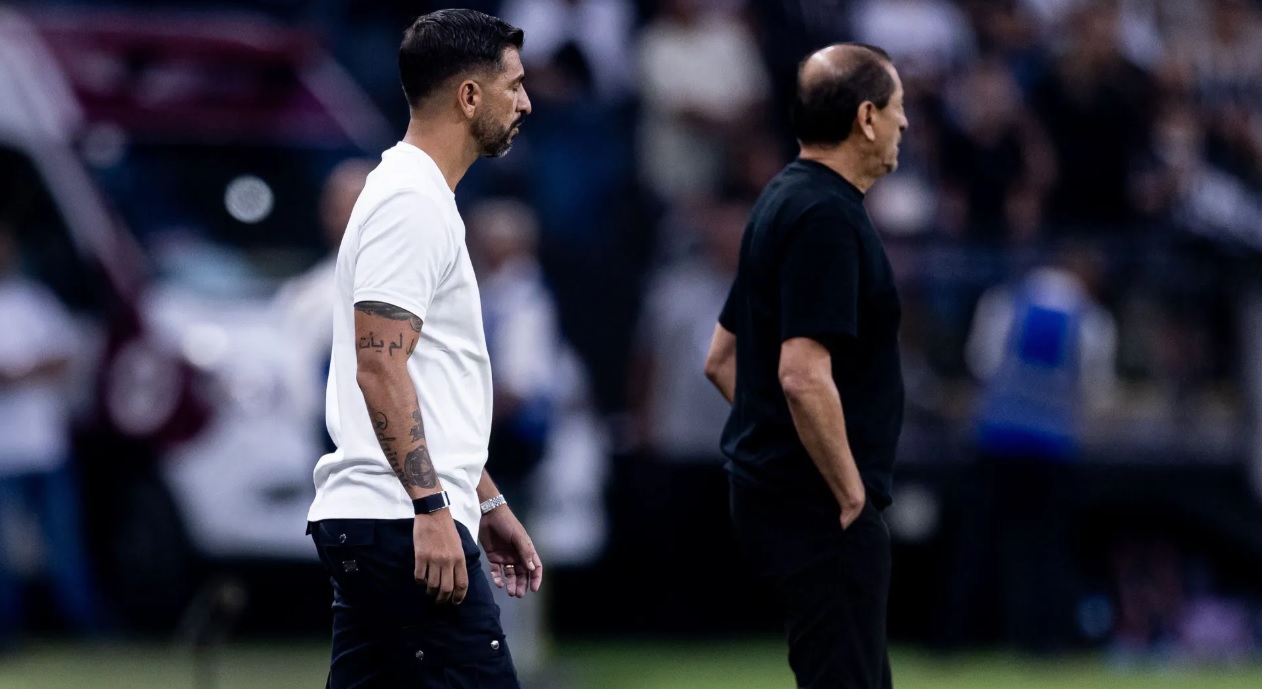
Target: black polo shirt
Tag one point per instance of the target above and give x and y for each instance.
(812, 265)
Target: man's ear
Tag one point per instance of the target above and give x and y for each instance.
(867, 119)
(470, 95)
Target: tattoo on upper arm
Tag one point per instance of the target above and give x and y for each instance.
(371, 342)
(394, 313)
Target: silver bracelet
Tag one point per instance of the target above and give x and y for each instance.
(493, 503)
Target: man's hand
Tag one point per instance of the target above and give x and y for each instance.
(852, 502)
(514, 563)
(440, 563)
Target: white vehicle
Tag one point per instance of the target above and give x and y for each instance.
(167, 172)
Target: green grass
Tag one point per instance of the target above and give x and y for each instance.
(605, 665)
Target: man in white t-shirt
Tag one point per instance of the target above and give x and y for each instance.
(409, 393)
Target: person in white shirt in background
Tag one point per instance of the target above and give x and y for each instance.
(305, 302)
(37, 344)
(601, 29)
(692, 117)
(523, 338)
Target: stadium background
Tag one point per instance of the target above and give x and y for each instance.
(162, 163)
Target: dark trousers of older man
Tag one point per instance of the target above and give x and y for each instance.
(831, 585)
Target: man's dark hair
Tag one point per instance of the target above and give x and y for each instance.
(443, 44)
(824, 109)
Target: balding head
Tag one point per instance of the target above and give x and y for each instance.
(832, 84)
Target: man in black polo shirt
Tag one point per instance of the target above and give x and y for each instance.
(806, 351)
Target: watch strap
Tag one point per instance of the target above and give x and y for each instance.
(494, 502)
(431, 503)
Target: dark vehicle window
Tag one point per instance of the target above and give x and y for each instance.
(257, 203)
(48, 252)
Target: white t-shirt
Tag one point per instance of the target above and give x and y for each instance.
(405, 246)
(34, 416)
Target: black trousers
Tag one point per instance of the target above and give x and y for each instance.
(832, 586)
(388, 633)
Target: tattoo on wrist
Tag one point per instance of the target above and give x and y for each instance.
(418, 470)
(394, 313)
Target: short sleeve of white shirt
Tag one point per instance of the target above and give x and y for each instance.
(405, 252)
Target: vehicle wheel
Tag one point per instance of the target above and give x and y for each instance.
(146, 565)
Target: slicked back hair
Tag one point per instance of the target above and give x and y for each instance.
(447, 43)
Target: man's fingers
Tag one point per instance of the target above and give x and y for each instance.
(461, 583)
(433, 578)
(510, 579)
(497, 576)
(446, 585)
(529, 562)
(535, 565)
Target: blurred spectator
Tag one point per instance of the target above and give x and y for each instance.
(1149, 588)
(521, 333)
(1182, 186)
(577, 173)
(926, 38)
(37, 481)
(601, 30)
(703, 84)
(1006, 30)
(524, 343)
(1096, 106)
(996, 162)
(753, 161)
(577, 154)
(305, 302)
(1044, 350)
(1051, 16)
(677, 414)
(1222, 68)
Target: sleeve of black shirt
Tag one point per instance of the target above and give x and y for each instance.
(819, 278)
(730, 316)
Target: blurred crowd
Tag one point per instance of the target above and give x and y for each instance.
(1085, 171)
(1130, 131)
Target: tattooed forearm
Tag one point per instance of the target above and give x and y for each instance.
(418, 428)
(418, 470)
(394, 313)
(380, 423)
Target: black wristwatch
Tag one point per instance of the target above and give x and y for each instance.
(431, 503)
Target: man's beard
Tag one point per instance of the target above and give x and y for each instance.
(492, 141)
